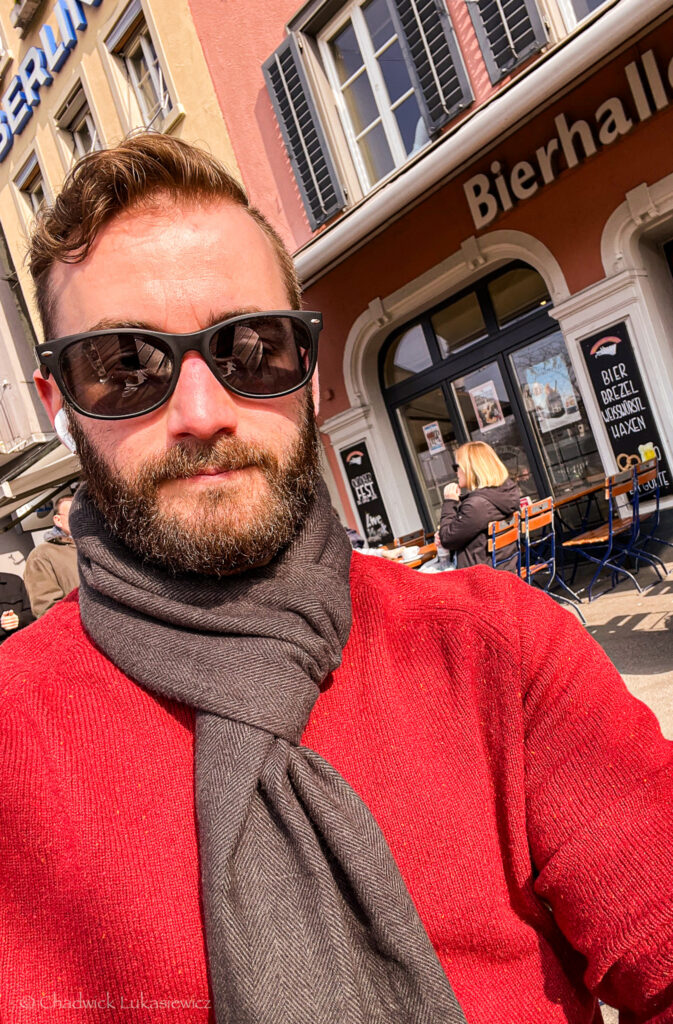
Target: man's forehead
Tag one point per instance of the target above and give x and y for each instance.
(150, 264)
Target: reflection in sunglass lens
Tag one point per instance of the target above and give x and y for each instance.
(116, 374)
(263, 355)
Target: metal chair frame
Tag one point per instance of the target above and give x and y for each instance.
(502, 533)
(539, 518)
(645, 473)
(622, 536)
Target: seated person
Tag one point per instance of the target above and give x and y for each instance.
(492, 495)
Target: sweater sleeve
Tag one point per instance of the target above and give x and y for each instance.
(599, 792)
(461, 521)
(21, 605)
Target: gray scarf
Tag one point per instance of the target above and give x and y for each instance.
(307, 918)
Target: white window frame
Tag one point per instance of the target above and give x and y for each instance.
(132, 38)
(352, 12)
(570, 18)
(141, 40)
(5, 53)
(74, 111)
(25, 182)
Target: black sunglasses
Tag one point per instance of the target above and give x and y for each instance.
(118, 374)
(456, 467)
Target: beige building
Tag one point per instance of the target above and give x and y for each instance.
(75, 75)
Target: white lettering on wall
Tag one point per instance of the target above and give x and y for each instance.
(575, 141)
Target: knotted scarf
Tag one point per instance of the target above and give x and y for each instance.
(307, 918)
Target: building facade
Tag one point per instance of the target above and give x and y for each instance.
(76, 75)
(479, 196)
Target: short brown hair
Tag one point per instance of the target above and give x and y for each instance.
(58, 504)
(145, 166)
(481, 466)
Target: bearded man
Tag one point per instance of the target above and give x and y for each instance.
(252, 777)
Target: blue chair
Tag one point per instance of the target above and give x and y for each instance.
(616, 539)
(538, 540)
(646, 485)
(502, 535)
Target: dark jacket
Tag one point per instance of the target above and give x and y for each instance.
(463, 526)
(14, 598)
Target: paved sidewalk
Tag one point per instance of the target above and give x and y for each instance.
(636, 631)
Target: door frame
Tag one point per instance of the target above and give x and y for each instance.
(528, 328)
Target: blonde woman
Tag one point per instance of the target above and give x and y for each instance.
(491, 494)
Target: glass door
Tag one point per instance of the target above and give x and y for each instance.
(556, 415)
(430, 440)
(489, 414)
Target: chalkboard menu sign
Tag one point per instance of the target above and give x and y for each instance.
(623, 400)
(368, 500)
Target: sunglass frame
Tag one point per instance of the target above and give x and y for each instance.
(50, 352)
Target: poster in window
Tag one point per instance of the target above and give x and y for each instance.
(487, 407)
(433, 437)
(549, 394)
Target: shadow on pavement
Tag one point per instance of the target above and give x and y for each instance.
(638, 644)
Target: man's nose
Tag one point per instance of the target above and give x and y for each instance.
(200, 406)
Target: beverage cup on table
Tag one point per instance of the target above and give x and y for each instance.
(443, 557)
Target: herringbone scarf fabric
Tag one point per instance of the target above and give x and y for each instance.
(307, 918)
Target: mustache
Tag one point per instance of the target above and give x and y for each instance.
(184, 458)
(187, 459)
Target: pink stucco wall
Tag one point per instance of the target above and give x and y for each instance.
(237, 36)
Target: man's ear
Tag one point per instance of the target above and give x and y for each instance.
(50, 396)
(315, 388)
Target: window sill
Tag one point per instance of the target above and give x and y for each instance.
(176, 116)
(22, 13)
(5, 60)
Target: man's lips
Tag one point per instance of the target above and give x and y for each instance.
(213, 473)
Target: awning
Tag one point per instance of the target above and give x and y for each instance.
(55, 467)
(33, 479)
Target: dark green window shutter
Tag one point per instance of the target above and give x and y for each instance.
(508, 31)
(436, 58)
(302, 133)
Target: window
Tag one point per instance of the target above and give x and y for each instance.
(379, 104)
(575, 11)
(132, 45)
(30, 183)
(397, 76)
(408, 355)
(77, 126)
(509, 31)
(5, 54)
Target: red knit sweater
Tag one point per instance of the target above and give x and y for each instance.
(508, 767)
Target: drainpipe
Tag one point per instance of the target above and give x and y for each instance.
(554, 71)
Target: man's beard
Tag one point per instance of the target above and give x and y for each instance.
(214, 539)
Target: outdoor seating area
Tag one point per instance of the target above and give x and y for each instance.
(598, 535)
(622, 539)
(616, 547)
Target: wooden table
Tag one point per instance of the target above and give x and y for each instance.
(578, 495)
(427, 552)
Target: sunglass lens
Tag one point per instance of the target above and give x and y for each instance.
(117, 374)
(262, 356)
